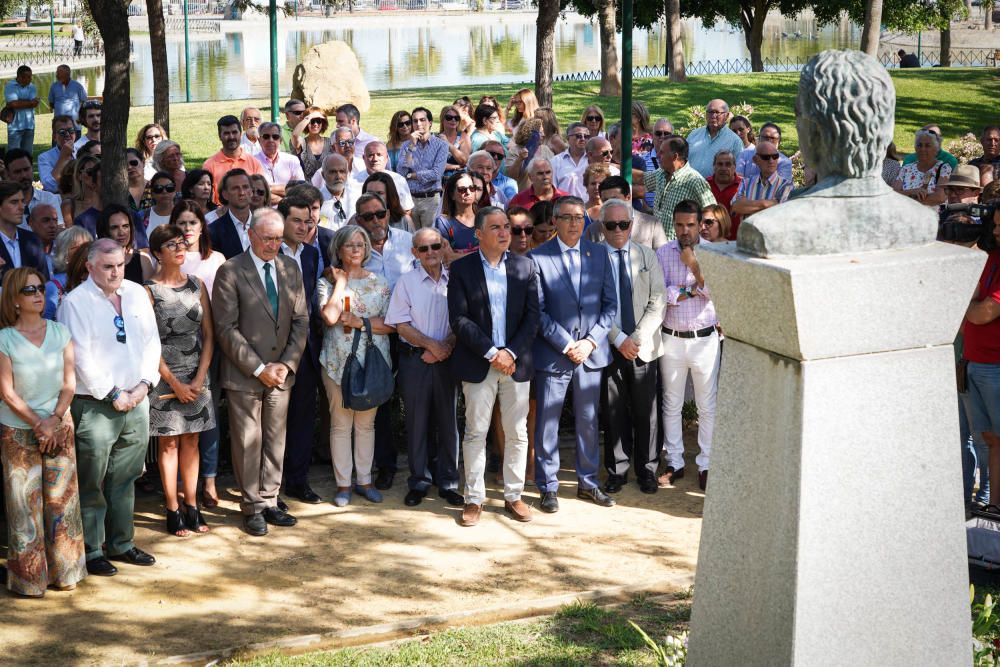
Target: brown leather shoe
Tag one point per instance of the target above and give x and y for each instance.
(518, 510)
(470, 514)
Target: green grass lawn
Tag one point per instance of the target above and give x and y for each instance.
(579, 634)
(958, 99)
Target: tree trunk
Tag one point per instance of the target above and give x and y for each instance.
(675, 42)
(158, 51)
(111, 17)
(752, 15)
(611, 81)
(548, 14)
(872, 28)
(946, 48)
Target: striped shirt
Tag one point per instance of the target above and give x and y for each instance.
(694, 312)
(671, 189)
(774, 188)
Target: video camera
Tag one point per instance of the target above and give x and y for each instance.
(951, 230)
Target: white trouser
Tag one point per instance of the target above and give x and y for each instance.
(342, 422)
(700, 356)
(479, 399)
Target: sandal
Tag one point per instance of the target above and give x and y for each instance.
(194, 520)
(175, 523)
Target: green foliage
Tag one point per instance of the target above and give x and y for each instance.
(985, 630)
(902, 15)
(671, 653)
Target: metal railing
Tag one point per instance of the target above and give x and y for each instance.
(11, 60)
(928, 58)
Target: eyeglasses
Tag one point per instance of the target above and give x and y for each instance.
(133, 163)
(346, 143)
(451, 117)
(66, 132)
(611, 225)
(30, 290)
(522, 231)
(595, 119)
(152, 137)
(466, 189)
(353, 246)
(767, 156)
(174, 245)
(368, 216)
(272, 137)
(160, 189)
(405, 123)
(424, 248)
(663, 133)
(771, 138)
(570, 218)
(708, 222)
(120, 325)
(713, 112)
(579, 135)
(260, 193)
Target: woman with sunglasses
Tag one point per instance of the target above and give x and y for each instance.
(456, 224)
(456, 132)
(399, 131)
(521, 106)
(146, 142)
(37, 383)
(180, 406)
(312, 148)
(260, 192)
(161, 191)
(138, 196)
(381, 184)
(593, 118)
(116, 223)
(715, 224)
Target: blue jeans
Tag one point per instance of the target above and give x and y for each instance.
(21, 139)
(983, 411)
(971, 460)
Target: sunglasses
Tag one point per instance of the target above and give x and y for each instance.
(611, 225)
(295, 112)
(273, 137)
(450, 117)
(346, 143)
(160, 189)
(424, 248)
(120, 326)
(31, 290)
(522, 231)
(133, 163)
(594, 119)
(466, 189)
(371, 215)
(605, 154)
(663, 133)
(260, 193)
(316, 121)
(66, 132)
(767, 156)
(708, 222)
(405, 123)
(579, 136)
(497, 156)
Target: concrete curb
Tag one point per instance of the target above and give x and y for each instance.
(384, 632)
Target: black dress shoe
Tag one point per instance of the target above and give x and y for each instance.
(615, 483)
(550, 502)
(414, 497)
(3, 574)
(303, 493)
(282, 505)
(452, 497)
(101, 567)
(278, 517)
(648, 485)
(255, 525)
(703, 479)
(383, 480)
(135, 556)
(596, 496)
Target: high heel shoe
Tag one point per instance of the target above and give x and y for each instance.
(194, 520)
(175, 523)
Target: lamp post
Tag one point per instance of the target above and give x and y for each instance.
(273, 19)
(626, 128)
(52, 26)
(187, 57)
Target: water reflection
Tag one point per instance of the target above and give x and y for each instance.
(439, 51)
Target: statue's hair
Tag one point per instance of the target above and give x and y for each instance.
(850, 102)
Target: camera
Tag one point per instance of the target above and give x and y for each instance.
(966, 224)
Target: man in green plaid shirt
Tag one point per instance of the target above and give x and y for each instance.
(674, 182)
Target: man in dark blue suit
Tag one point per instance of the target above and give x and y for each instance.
(493, 309)
(18, 247)
(230, 233)
(302, 406)
(577, 302)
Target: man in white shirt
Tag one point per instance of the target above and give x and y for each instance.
(376, 158)
(251, 119)
(338, 196)
(278, 167)
(230, 233)
(117, 358)
(568, 166)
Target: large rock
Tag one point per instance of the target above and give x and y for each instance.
(328, 76)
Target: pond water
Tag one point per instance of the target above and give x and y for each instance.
(416, 50)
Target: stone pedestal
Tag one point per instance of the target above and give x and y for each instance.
(833, 529)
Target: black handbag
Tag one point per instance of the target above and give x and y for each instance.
(367, 386)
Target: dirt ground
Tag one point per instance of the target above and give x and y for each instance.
(360, 565)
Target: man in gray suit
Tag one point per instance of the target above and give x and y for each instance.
(628, 389)
(261, 325)
(577, 302)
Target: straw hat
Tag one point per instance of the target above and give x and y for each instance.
(964, 176)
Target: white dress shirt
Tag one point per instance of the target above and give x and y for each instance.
(395, 258)
(103, 363)
(287, 251)
(242, 230)
(496, 289)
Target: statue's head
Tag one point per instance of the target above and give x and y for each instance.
(845, 111)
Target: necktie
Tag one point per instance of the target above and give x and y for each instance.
(272, 291)
(573, 260)
(625, 296)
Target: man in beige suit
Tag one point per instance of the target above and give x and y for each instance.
(628, 396)
(646, 230)
(261, 324)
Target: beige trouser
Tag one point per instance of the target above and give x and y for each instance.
(425, 209)
(479, 399)
(257, 437)
(342, 421)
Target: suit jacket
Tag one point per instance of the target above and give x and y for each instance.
(565, 318)
(649, 297)
(32, 253)
(245, 328)
(646, 230)
(310, 276)
(469, 313)
(325, 236)
(224, 236)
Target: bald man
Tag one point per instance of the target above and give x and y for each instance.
(705, 142)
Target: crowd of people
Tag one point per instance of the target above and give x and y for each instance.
(311, 272)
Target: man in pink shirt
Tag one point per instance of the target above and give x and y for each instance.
(231, 156)
(278, 167)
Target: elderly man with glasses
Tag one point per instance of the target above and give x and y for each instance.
(568, 166)
(502, 183)
(746, 168)
(278, 168)
(765, 190)
(715, 136)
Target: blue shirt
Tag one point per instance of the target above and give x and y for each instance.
(37, 371)
(426, 161)
(747, 169)
(506, 186)
(496, 287)
(702, 148)
(458, 236)
(46, 163)
(66, 100)
(395, 258)
(24, 119)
